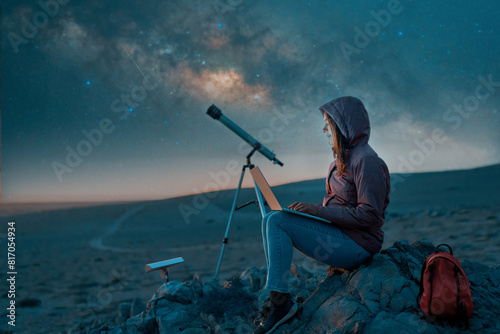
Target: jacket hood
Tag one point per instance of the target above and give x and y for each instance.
(351, 117)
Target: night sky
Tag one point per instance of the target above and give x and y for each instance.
(107, 100)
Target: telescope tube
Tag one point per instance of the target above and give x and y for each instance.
(216, 114)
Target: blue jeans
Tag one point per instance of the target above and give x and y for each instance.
(282, 231)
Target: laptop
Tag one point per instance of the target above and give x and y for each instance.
(266, 191)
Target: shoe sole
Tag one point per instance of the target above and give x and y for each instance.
(290, 314)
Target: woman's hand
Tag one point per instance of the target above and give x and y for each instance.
(305, 208)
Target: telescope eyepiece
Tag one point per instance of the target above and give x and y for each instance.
(214, 112)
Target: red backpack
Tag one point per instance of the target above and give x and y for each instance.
(444, 288)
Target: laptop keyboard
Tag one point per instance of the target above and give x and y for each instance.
(290, 210)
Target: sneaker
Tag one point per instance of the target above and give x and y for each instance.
(278, 314)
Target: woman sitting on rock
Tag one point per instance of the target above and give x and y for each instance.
(357, 193)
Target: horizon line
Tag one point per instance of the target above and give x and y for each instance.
(145, 199)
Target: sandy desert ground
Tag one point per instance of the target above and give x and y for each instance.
(77, 262)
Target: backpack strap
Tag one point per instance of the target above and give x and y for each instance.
(449, 248)
(464, 314)
(456, 270)
(431, 277)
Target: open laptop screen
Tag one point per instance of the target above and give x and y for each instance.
(265, 188)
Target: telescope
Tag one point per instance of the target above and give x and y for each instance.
(216, 114)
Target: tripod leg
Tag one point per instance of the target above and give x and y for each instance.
(224, 242)
(260, 199)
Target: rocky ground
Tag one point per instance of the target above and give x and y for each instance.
(377, 297)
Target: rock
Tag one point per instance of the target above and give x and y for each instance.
(234, 282)
(209, 319)
(133, 321)
(207, 290)
(147, 324)
(178, 292)
(403, 323)
(124, 312)
(378, 296)
(166, 289)
(245, 275)
(179, 317)
(339, 312)
(137, 307)
(170, 324)
(256, 282)
(103, 329)
(182, 294)
(116, 330)
(218, 330)
(326, 288)
(231, 300)
(403, 300)
(193, 331)
(197, 285)
(244, 328)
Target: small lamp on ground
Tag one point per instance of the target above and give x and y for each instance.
(163, 266)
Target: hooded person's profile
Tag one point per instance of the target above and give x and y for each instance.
(357, 194)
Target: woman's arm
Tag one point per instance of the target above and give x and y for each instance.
(372, 186)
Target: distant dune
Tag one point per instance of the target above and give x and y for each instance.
(414, 191)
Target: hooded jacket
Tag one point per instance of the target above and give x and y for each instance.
(356, 200)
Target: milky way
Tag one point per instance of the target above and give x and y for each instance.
(108, 101)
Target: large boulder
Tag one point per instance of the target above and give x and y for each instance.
(378, 296)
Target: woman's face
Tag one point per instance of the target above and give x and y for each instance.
(328, 130)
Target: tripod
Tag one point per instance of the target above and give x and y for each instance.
(234, 208)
